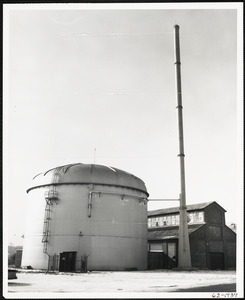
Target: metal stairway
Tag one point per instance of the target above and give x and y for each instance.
(51, 197)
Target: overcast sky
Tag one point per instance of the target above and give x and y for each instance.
(78, 79)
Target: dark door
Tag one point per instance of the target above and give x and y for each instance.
(162, 255)
(67, 262)
(217, 261)
(160, 260)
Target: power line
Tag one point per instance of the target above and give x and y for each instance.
(118, 34)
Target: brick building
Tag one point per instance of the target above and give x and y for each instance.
(212, 243)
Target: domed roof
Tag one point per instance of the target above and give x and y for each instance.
(88, 174)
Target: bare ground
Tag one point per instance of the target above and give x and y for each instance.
(120, 284)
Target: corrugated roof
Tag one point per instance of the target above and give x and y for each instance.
(170, 232)
(190, 207)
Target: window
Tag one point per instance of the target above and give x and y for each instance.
(190, 218)
(164, 247)
(156, 247)
(173, 220)
(171, 250)
(195, 217)
(201, 217)
(160, 221)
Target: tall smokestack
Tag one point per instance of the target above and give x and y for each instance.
(184, 257)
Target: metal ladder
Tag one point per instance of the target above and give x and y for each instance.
(51, 197)
(46, 226)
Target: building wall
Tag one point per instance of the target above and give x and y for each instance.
(215, 237)
(18, 258)
(230, 243)
(212, 246)
(198, 248)
(214, 215)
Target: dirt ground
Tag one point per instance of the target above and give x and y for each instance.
(145, 284)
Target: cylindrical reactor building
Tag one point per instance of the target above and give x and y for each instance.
(86, 216)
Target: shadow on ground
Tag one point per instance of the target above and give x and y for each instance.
(18, 284)
(231, 287)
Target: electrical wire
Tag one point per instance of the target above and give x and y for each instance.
(118, 34)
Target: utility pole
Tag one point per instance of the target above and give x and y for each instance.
(184, 256)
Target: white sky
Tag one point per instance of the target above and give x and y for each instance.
(76, 79)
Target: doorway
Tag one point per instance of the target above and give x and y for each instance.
(68, 261)
(217, 261)
(162, 255)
